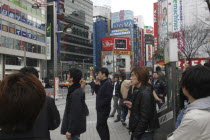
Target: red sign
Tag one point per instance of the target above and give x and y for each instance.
(155, 28)
(182, 62)
(116, 43)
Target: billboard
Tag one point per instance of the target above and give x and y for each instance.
(149, 52)
(116, 43)
(123, 24)
(164, 18)
(155, 28)
(119, 32)
(176, 14)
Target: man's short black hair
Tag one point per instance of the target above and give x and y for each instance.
(207, 64)
(196, 80)
(104, 71)
(76, 74)
(29, 70)
(158, 68)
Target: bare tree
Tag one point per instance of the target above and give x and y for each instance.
(206, 48)
(195, 36)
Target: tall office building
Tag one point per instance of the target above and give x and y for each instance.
(101, 17)
(22, 36)
(73, 49)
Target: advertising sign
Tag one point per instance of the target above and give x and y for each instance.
(29, 35)
(149, 52)
(48, 47)
(176, 13)
(155, 28)
(56, 86)
(4, 12)
(107, 44)
(116, 43)
(18, 32)
(123, 24)
(122, 52)
(5, 28)
(12, 30)
(24, 20)
(24, 34)
(121, 63)
(119, 32)
(182, 62)
(181, 14)
(34, 37)
(17, 16)
(164, 19)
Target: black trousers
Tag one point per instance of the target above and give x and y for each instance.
(101, 126)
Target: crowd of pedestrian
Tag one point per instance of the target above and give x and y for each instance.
(27, 113)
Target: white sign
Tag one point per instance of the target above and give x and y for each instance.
(171, 51)
(166, 117)
(48, 48)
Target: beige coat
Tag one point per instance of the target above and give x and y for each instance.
(125, 87)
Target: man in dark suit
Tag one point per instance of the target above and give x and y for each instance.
(103, 103)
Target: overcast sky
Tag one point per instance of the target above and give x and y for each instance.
(139, 7)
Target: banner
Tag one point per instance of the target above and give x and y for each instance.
(119, 32)
(123, 24)
(122, 52)
(176, 13)
(155, 28)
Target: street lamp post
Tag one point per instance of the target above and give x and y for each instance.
(83, 70)
(24, 56)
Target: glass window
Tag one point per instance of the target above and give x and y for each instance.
(3, 41)
(32, 62)
(10, 43)
(17, 44)
(13, 60)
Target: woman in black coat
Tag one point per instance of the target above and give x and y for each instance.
(74, 119)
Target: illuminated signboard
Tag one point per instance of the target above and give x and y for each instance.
(12, 30)
(118, 32)
(5, 28)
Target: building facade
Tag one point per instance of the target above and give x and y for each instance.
(74, 49)
(101, 17)
(23, 36)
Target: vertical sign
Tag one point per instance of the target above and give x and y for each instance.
(48, 47)
(155, 28)
(164, 18)
(176, 13)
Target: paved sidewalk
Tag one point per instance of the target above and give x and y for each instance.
(117, 131)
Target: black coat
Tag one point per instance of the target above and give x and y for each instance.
(74, 118)
(159, 87)
(48, 119)
(104, 94)
(143, 112)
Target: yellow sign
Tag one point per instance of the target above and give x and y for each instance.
(122, 52)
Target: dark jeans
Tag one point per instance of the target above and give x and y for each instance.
(145, 136)
(92, 91)
(124, 113)
(75, 137)
(101, 126)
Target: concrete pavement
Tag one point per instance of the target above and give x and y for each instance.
(117, 131)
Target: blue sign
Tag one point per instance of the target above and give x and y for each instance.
(18, 32)
(34, 37)
(29, 35)
(119, 32)
(38, 26)
(149, 63)
(123, 24)
(12, 30)
(24, 34)
(18, 17)
(11, 14)
(42, 27)
(24, 20)
(5, 12)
